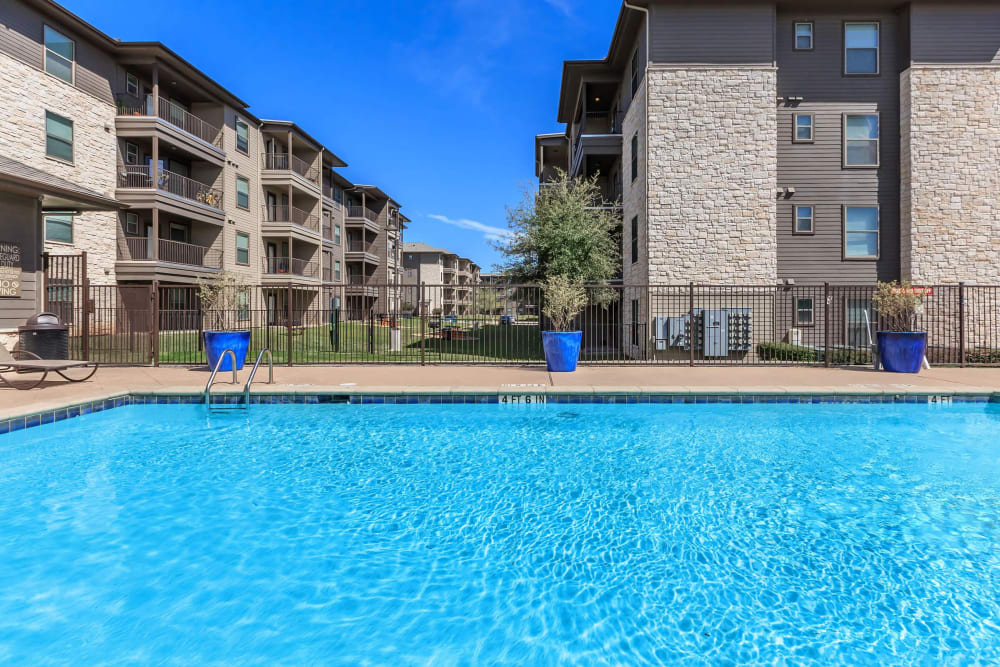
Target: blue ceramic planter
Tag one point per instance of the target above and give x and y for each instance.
(902, 351)
(217, 342)
(562, 350)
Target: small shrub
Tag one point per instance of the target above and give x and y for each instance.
(989, 357)
(564, 300)
(786, 352)
(223, 300)
(850, 357)
(897, 305)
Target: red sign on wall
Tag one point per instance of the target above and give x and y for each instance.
(920, 291)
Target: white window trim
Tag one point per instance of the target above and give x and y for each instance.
(72, 143)
(129, 78)
(236, 258)
(247, 181)
(811, 310)
(878, 47)
(45, 56)
(877, 232)
(130, 145)
(132, 218)
(795, 128)
(796, 218)
(877, 140)
(795, 36)
(240, 121)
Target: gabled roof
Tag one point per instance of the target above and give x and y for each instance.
(416, 246)
(56, 192)
(269, 123)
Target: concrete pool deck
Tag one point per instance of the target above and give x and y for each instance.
(444, 379)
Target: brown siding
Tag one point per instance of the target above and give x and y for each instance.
(21, 224)
(955, 33)
(719, 34)
(815, 170)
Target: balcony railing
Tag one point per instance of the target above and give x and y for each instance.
(284, 162)
(284, 213)
(362, 212)
(355, 245)
(275, 266)
(174, 114)
(327, 275)
(328, 232)
(144, 177)
(138, 248)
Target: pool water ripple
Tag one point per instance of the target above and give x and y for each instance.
(692, 534)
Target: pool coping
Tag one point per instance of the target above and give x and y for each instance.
(493, 395)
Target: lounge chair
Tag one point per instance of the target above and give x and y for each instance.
(35, 364)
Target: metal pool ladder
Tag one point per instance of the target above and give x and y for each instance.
(270, 374)
(218, 364)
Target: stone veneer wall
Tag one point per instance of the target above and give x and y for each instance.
(26, 93)
(712, 173)
(950, 165)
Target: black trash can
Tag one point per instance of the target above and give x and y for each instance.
(43, 334)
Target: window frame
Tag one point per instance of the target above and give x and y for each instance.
(337, 272)
(635, 239)
(128, 218)
(246, 236)
(45, 55)
(635, 156)
(878, 140)
(72, 141)
(795, 220)
(812, 311)
(129, 78)
(130, 145)
(338, 234)
(634, 67)
(877, 232)
(878, 46)
(246, 180)
(72, 225)
(795, 36)
(240, 121)
(795, 128)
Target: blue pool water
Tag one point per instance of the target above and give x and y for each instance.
(590, 534)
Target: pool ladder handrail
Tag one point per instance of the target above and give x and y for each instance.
(215, 371)
(270, 374)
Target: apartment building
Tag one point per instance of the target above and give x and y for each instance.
(126, 152)
(450, 279)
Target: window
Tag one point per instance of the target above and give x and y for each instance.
(336, 234)
(635, 72)
(242, 248)
(58, 137)
(132, 84)
(804, 216)
(861, 141)
(804, 313)
(59, 227)
(131, 153)
(861, 48)
(242, 192)
(336, 270)
(60, 52)
(635, 239)
(861, 232)
(242, 137)
(803, 127)
(132, 224)
(635, 156)
(178, 232)
(803, 36)
(243, 305)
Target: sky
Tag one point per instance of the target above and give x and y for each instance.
(435, 102)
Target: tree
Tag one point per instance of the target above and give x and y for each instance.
(562, 230)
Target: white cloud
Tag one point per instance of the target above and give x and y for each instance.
(563, 6)
(491, 233)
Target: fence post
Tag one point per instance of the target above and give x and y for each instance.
(85, 309)
(826, 324)
(288, 322)
(691, 326)
(422, 314)
(155, 305)
(961, 323)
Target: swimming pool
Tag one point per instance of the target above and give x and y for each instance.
(472, 534)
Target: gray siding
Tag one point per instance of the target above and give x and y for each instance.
(955, 33)
(815, 170)
(720, 34)
(21, 37)
(21, 224)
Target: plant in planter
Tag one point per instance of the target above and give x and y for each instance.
(222, 302)
(563, 301)
(901, 348)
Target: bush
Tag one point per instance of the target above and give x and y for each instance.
(850, 357)
(991, 357)
(786, 352)
(564, 300)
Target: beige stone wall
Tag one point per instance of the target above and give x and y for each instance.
(26, 94)
(712, 174)
(950, 152)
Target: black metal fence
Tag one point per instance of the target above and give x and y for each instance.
(364, 322)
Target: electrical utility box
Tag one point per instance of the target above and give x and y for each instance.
(715, 333)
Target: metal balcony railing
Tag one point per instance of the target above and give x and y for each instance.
(290, 266)
(173, 113)
(362, 212)
(284, 162)
(139, 248)
(297, 216)
(144, 177)
(355, 245)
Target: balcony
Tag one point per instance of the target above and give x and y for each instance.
(362, 213)
(283, 162)
(142, 186)
(290, 215)
(361, 284)
(176, 261)
(290, 267)
(174, 123)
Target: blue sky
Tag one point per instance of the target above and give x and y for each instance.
(435, 102)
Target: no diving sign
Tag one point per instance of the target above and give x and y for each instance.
(10, 270)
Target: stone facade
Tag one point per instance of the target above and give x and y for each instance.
(712, 177)
(22, 137)
(950, 126)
